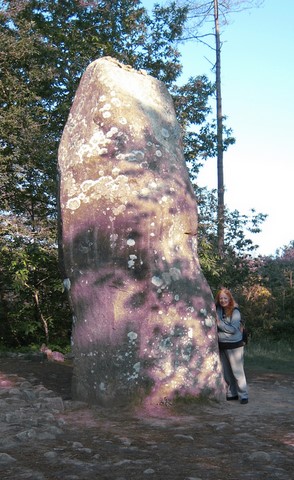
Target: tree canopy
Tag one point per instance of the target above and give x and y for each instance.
(46, 46)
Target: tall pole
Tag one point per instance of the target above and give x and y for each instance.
(219, 120)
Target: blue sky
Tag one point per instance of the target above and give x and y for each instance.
(258, 100)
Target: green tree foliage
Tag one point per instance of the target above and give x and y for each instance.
(277, 274)
(32, 306)
(262, 286)
(231, 270)
(266, 297)
(192, 104)
(46, 46)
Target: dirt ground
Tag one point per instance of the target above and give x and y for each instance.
(195, 442)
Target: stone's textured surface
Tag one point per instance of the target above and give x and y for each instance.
(143, 313)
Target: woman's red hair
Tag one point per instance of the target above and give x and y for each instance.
(232, 304)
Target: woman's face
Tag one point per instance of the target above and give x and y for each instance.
(224, 300)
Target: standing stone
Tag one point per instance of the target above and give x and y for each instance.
(144, 318)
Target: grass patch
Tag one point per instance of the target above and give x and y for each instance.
(270, 355)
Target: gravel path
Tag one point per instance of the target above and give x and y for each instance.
(44, 435)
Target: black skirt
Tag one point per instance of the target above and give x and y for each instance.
(230, 345)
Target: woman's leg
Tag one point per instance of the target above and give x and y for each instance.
(232, 390)
(236, 360)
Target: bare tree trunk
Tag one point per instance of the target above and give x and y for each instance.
(43, 319)
(219, 119)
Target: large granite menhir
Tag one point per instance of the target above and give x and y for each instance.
(144, 319)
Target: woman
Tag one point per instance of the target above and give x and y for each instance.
(231, 346)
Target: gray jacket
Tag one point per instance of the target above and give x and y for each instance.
(229, 327)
